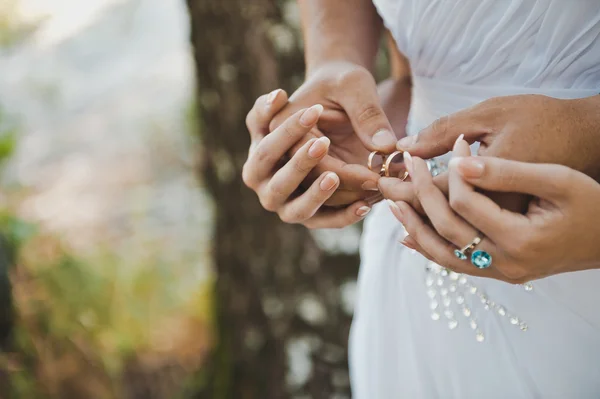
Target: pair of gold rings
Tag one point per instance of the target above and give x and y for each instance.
(391, 165)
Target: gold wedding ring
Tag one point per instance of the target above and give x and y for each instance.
(371, 162)
(471, 246)
(385, 167)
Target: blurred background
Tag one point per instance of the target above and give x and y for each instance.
(133, 261)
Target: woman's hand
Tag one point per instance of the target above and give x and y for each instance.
(276, 185)
(355, 121)
(558, 233)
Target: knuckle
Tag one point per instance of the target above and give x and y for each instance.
(514, 273)
(249, 119)
(302, 167)
(248, 176)
(439, 127)
(293, 216)
(446, 230)
(519, 246)
(351, 76)
(268, 202)
(458, 203)
(369, 113)
(563, 178)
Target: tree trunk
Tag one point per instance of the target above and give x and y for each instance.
(281, 329)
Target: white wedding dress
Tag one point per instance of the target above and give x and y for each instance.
(419, 333)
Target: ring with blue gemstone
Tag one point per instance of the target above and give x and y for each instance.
(464, 253)
(481, 259)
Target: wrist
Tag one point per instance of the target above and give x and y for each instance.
(589, 112)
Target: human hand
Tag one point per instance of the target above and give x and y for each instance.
(557, 234)
(527, 128)
(355, 121)
(277, 186)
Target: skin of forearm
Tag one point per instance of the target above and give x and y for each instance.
(340, 30)
(589, 111)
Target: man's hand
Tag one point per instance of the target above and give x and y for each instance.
(527, 128)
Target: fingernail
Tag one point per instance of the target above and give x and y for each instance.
(406, 142)
(407, 243)
(370, 185)
(408, 162)
(395, 209)
(373, 199)
(363, 211)
(458, 140)
(329, 181)
(319, 147)
(272, 96)
(470, 167)
(383, 138)
(311, 115)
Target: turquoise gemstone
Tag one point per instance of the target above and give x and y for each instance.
(459, 254)
(481, 259)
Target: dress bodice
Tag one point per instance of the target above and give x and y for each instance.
(545, 44)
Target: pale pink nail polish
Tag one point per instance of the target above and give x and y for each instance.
(369, 185)
(319, 147)
(408, 162)
(329, 181)
(363, 211)
(272, 96)
(459, 139)
(311, 115)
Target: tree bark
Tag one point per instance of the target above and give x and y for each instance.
(277, 295)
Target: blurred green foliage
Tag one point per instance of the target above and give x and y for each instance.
(82, 323)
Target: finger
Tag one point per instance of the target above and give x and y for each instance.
(551, 182)
(410, 243)
(264, 110)
(353, 177)
(359, 98)
(339, 218)
(500, 225)
(439, 249)
(436, 206)
(308, 203)
(287, 179)
(439, 137)
(272, 147)
(346, 197)
(397, 190)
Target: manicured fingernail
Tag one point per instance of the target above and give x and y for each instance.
(370, 185)
(383, 138)
(373, 199)
(406, 243)
(408, 162)
(329, 181)
(311, 115)
(458, 140)
(470, 167)
(406, 142)
(363, 211)
(319, 147)
(395, 209)
(272, 96)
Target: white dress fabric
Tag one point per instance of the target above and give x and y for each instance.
(489, 339)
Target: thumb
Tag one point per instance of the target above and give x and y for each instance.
(439, 137)
(547, 181)
(360, 100)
